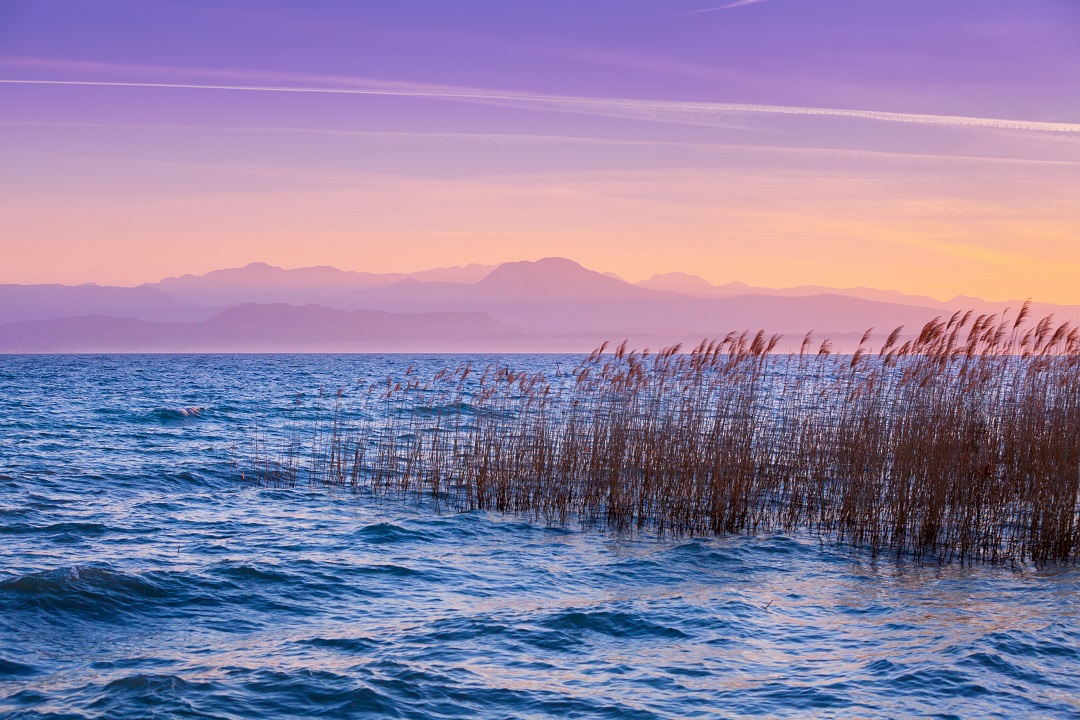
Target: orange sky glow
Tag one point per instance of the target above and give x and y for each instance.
(124, 172)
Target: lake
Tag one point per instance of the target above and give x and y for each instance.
(139, 577)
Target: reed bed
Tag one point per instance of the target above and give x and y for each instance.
(960, 444)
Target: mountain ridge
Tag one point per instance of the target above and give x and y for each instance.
(521, 304)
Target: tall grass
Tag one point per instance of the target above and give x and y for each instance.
(960, 444)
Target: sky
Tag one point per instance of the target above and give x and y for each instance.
(924, 146)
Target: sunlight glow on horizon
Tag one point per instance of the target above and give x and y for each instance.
(445, 142)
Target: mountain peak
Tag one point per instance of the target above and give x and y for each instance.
(554, 276)
(675, 281)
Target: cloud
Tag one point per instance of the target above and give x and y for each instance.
(519, 139)
(679, 112)
(239, 77)
(729, 6)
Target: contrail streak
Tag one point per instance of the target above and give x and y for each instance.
(729, 6)
(512, 138)
(682, 112)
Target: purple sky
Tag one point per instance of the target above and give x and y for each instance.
(926, 146)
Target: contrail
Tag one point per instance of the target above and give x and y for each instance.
(681, 112)
(729, 6)
(512, 138)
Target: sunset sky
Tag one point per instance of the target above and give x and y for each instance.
(919, 145)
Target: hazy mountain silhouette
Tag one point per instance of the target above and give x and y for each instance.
(263, 328)
(262, 283)
(553, 303)
(43, 302)
(554, 278)
(699, 286)
(689, 284)
(555, 295)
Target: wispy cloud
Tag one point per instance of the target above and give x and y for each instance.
(519, 139)
(729, 6)
(680, 112)
(116, 72)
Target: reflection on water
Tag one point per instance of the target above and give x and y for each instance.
(136, 578)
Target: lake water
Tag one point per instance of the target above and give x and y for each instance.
(139, 579)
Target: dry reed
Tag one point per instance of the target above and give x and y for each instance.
(960, 444)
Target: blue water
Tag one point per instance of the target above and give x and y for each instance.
(139, 579)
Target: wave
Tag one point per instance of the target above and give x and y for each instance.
(103, 594)
(385, 533)
(89, 591)
(76, 528)
(612, 623)
(171, 415)
(445, 636)
(10, 668)
(245, 573)
(154, 694)
(394, 571)
(1057, 642)
(203, 476)
(346, 645)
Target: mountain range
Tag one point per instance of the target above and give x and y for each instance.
(553, 304)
